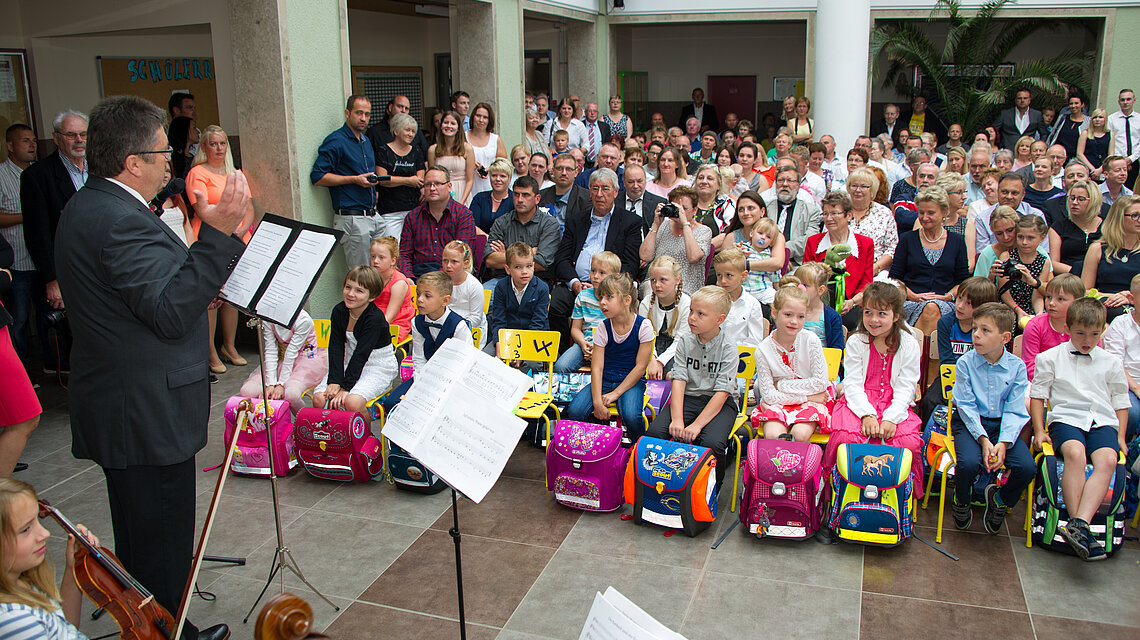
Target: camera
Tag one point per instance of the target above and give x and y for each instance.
(482, 170)
(670, 210)
(1009, 270)
(373, 178)
(56, 317)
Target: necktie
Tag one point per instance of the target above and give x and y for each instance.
(594, 154)
(1128, 134)
(437, 325)
(1078, 353)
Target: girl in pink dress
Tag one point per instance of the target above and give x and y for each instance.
(792, 386)
(881, 361)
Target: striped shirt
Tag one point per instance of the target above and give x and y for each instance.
(589, 311)
(25, 622)
(10, 203)
(78, 176)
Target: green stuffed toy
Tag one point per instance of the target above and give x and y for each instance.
(834, 258)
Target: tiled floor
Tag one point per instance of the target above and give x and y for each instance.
(531, 567)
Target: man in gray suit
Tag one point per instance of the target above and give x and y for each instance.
(137, 297)
(794, 211)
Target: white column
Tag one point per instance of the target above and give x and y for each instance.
(842, 66)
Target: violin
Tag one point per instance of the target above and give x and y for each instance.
(103, 579)
(285, 617)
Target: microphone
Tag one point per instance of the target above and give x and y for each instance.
(175, 187)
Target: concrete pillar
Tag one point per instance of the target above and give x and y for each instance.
(285, 110)
(585, 49)
(487, 60)
(842, 54)
(1120, 67)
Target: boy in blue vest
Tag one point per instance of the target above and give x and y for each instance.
(431, 328)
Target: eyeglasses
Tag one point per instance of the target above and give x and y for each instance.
(1078, 199)
(166, 152)
(71, 135)
(434, 185)
(957, 192)
(857, 187)
(1135, 216)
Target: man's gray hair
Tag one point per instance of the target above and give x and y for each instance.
(918, 155)
(57, 121)
(1077, 161)
(604, 174)
(122, 126)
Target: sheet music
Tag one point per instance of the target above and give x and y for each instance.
(458, 417)
(290, 285)
(255, 262)
(615, 617)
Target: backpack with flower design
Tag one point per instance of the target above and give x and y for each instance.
(783, 490)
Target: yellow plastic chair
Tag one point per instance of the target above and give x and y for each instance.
(486, 301)
(403, 347)
(945, 457)
(745, 368)
(534, 346)
(476, 335)
(323, 328)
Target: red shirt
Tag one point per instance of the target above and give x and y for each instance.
(860, 269)
(424, 237)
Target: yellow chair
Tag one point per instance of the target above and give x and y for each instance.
(945, 456)
(486, 301)
(403, 347)
(534, 346)
(834, 358)
(746, 368)
(476, 335)
(323, 328)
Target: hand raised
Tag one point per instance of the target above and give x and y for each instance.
(227, 214)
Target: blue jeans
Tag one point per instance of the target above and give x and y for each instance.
(1018, 460)
(1133, 417)
(570, 360)
(18, 301)
(395, 395)
(630, 406)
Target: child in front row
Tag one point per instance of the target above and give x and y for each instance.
(521, 301)
(702, 409)
(667, 310)
(395, 298)
(1122, 339)
(1049, 329)
(431, 328)
(302, 365)
(955, 335)
(821, 319)
(1087, 394)
(989, 400)
(744, 322)
(587, 314)
(467, 294)
(623, 344)
(792, 385)
(362, 363)
(1025, 293)
(881, 361)
(31, 605)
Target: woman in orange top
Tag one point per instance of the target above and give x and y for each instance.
(207, 178)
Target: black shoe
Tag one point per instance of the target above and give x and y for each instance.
(824, 535)
(216, 632)
(995, 513)
(1074, 533)
(213, 379)
(20, 466)
(963, 514)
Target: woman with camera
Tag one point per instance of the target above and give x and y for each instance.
(682, 238)
(19, 407)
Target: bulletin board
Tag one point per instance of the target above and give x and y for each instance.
(15, 94)
(381, 84)
(157, 78)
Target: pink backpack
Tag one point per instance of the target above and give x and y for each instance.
(337, 445)
(585, 465)
(253, 451)
(782, 489)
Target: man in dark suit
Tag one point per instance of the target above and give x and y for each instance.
(888, 124)
(703, 111)
(381, 133)
(602, 227)
(635, 199)
(137, 299)
(565, 198)
(1019, 120)
(45, 187)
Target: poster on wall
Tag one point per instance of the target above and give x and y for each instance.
(784, 87)
(157, 78)
(15, 94)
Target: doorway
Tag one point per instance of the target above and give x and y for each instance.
(736, 94)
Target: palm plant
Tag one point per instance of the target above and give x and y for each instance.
(960, 77)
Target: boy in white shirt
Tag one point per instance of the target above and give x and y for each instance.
(745, 324)
(1087, 394)
(1122, 339)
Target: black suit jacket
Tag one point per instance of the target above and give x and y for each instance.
(649, 202)
(623, 238)
(45, 187)
(880, 127)
(603, 127)
(577, 203)
(708, 117)
(136, 300)
(1006, 125)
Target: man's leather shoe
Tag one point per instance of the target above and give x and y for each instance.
(216, 632)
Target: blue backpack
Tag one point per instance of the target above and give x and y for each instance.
(872, 498)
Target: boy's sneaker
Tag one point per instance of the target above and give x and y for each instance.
(1075, 533)
(995, 513)
(963, 514)
(1096, 549)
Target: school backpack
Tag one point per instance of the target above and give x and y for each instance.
(254, 450)
(1050, 514)
(872, 497)
(585, 465)
(672, 484)
(783, 489)
(408, 473)
(336, 445)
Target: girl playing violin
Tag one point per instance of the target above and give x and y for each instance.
(31, 606)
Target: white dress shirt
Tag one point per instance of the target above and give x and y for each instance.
(1081, 391)
(744, 325)
(1116, 124)
(1123, 341)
